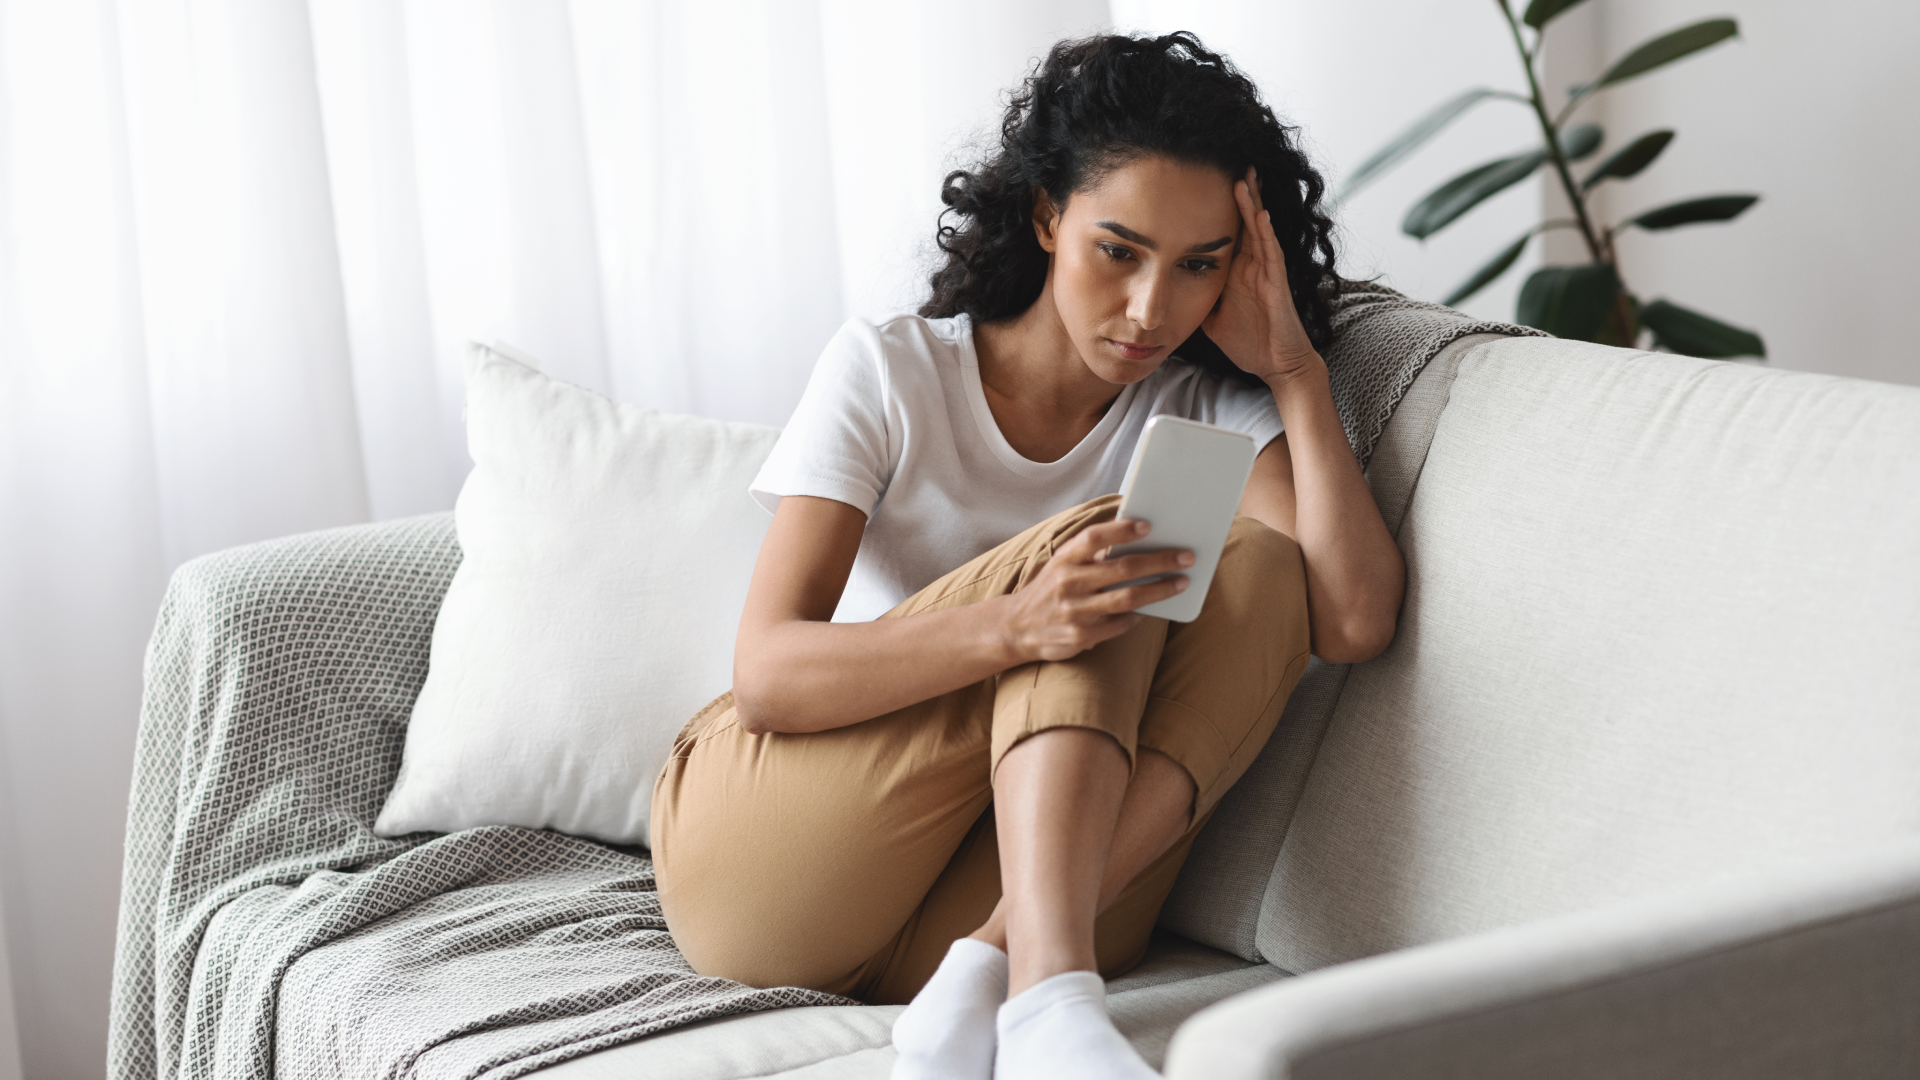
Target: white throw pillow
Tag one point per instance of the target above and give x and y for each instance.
(606, 554)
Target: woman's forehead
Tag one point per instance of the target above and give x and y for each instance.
(1162, 200)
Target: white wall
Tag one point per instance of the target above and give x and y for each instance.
(912, 92)
(1812, 109)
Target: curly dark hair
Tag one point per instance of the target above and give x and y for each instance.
(1093, 105)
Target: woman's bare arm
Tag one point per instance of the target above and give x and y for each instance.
(1306, 483)
(1355, 575)
(794, 670)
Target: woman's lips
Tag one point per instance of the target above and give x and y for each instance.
(1134, 352)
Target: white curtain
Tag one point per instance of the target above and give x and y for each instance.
(241, 242)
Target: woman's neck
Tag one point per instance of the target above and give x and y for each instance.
(1041, 394)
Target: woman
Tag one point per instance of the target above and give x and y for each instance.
(953, 769)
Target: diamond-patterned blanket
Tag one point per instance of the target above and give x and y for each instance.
(265, 931)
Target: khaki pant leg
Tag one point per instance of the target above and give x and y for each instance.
(805, 859)
(1224, 678)
(1218, 690)
(1213, 690)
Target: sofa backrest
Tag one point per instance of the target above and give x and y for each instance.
(1218, 897)
(1662, 625)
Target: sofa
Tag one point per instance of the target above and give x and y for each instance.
(1635, 791)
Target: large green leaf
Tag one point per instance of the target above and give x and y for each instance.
(1540, 11)
(1486, 274)
(1569, 301)
(1667, 48)
(1464, 192)
(1686, 331)
(1582, 141)
(1691, 211)
(1630, 159)
(1410, 140)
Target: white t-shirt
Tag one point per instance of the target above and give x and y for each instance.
(894, 423)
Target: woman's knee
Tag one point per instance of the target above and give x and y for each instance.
(1258, 558)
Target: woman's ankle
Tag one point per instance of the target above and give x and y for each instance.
(1030, 967)
(994, 930)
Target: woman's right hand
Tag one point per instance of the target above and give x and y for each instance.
(1063, 612)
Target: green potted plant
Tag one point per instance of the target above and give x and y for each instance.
(1590, 301)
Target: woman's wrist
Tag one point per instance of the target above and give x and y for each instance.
(1305, 373)
(1002, 640)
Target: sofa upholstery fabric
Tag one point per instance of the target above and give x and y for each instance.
(1217, 899)
(1660, 628)
(1802, 971)
(1177, 980)
(261, 916)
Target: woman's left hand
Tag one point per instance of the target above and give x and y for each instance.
(1255, 323)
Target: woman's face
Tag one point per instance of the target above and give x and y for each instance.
(1139, 258)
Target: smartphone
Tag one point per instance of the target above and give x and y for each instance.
(1185, 480)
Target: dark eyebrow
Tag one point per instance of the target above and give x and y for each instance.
(1130, 236)
(1126, 234)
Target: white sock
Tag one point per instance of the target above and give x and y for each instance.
(1058, 1029)
(947, 1032)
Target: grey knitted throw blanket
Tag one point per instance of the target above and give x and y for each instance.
(265, 931)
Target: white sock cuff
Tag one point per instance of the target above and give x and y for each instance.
(1045, 994)
(976, 953)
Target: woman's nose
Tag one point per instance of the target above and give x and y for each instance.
(1146, 307)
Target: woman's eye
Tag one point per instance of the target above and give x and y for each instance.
(1115, 251)
(1199, 266)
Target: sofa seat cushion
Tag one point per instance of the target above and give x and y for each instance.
(1660, 629)
(854, 1042)
(756, 1044)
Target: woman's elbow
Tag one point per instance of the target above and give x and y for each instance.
(751, 709)
(749, 719)
(1355, 641)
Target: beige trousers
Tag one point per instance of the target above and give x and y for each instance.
(848, 860)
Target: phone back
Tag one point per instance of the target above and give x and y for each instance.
(1186, 480)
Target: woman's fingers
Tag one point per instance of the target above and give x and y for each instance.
(1253, 192)
(1094, 539)
(1133, 597)
(1262, 245)
(1095, 567)
(1275, 257)
(1244, 196)
(1066, 611)
(1111, 626)
(1112, 571)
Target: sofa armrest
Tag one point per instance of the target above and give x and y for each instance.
(1811, 972)
(279, 681)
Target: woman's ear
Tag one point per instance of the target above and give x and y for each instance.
(1046, 221)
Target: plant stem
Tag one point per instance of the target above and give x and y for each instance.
(1554, 153)
(1623, 323)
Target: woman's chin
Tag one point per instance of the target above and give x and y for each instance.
(1125, 372)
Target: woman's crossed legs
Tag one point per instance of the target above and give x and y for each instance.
(850, 860)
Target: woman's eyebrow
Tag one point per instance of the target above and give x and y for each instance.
(1126, 234)
(1130, 236)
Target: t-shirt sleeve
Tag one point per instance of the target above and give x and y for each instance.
(1238, 407)
(835, 446)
